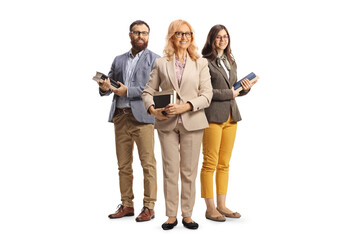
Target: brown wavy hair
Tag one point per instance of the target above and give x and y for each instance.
(209, 50)
(169, 49)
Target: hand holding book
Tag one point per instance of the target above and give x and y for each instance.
(247, 82)
(158, 113)
(163, 100)
(121, 91)
(173, 109)
(105, 83)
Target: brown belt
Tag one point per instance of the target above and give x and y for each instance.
(122, 110)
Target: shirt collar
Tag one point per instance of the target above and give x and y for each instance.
(137, 55)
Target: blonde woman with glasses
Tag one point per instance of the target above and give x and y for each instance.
(182, 70)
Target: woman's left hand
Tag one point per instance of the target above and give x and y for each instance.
(246, 84)
(177, 108)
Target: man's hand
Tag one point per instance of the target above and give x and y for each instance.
(178, 108)
(157, 113)
(104, 86)
(121, 91)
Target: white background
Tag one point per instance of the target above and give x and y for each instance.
(294, 171)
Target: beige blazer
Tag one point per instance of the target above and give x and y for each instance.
(195, 88)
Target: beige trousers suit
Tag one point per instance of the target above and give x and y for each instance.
(181, 142)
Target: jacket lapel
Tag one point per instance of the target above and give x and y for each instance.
(222, 71)
(123, 68)
(189, 66)
(170, 67)
(138, 64)
(232, 74)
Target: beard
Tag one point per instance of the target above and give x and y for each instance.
(139, 46)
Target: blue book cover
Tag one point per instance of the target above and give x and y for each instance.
(250, 77)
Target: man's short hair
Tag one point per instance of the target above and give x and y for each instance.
(139, 22)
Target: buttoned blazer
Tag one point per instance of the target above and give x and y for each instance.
(223, 103)
(136, 83)
(195, 88)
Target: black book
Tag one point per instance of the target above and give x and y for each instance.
(162, 99)
(101, 77)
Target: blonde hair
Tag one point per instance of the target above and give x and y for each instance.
(169, 49)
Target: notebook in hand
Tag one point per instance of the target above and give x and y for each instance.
(163, 98)
(251, 77)
(101, 77)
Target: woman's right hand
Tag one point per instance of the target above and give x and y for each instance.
(157, 113)
(235, 92)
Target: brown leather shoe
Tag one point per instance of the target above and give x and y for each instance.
(145, 215)
(122, 212)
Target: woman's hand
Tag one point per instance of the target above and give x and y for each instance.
(178, 108)
(157, 113)
(246, 84)
(235, 92)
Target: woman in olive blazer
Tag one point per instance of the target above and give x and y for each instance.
(222, 115)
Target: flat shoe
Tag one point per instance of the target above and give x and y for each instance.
(190, 225)
(216, 219)
(168, 226)
(229, 215)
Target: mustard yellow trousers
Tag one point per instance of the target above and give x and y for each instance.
(218, 142)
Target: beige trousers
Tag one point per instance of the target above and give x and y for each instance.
(127, 131)
(180, 153)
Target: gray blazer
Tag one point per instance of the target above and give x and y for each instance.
(136, 83)
(222, 102)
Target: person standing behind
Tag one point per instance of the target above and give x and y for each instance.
(183, 70)
(223, 115)
(131, 122)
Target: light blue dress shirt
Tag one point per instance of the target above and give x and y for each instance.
(123, 101)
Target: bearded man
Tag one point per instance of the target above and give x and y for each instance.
(131, 122)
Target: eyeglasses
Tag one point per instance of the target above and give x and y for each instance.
(219, 37)
(143, 34)
(181, 34)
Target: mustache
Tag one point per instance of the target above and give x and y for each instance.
(138, 39)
